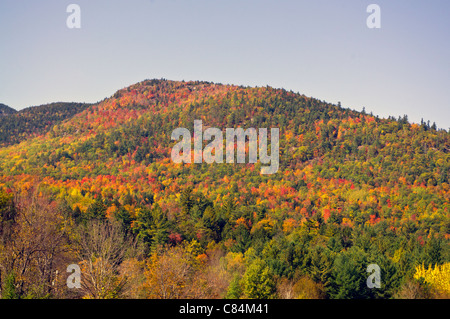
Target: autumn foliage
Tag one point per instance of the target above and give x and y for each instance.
(97, 188)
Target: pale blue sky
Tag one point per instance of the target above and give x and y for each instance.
(320, 48)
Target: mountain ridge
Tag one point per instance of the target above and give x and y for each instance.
(5, 109)
(350, 185)
(144, 98)
(35, 120)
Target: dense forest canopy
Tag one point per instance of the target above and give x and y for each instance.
(36, 120)
(5, 110)
(352, 190)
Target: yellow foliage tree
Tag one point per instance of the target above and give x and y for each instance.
(437, 277)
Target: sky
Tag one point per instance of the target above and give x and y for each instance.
(320, 48)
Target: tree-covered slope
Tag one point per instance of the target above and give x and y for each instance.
(5, 110)
(36, 120)
(352, 189)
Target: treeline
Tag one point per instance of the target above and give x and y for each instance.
(203, 251)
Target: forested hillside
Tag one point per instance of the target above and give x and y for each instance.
(100, 190)
(36, 120)
(5, 110)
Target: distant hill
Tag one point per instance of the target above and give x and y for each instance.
(352, 189)
(5, 110)
(15, 126)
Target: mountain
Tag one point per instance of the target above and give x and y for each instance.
(5, 110)
(351, 189)
(18, 126)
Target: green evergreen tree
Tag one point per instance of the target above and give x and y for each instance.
(235, 288)
(9, 290)
(321, 265)
(349, 276)
(96, 210)
(258, 281)
(151, 226)
(433, 252)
